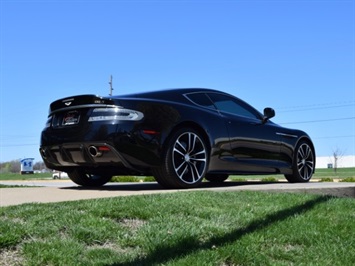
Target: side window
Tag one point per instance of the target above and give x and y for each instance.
(228, 104)
(200, 99)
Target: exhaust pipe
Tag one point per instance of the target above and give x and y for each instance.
(94, 152)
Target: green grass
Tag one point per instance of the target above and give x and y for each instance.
(323, 174)
(183, 228)
(326, 179)
(341, 173)
(269, 179)
(348, 179)
(15, 176)
(125, 179)
(11, 186)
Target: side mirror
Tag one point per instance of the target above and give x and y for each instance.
(268, 113)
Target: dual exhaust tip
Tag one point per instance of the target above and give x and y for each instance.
(97, 151)
(94, 151)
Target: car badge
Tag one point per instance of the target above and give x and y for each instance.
(68, 101)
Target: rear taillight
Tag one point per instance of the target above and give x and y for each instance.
(49, 122)
(115, 113)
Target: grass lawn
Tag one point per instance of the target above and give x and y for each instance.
(7, 186)
(183, 228)
(15, 176)
(341, 173)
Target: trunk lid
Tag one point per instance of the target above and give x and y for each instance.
(79, 102)
(75, 110)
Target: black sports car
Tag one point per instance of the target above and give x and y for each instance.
(179, 136)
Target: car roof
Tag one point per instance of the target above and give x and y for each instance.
(166, 93)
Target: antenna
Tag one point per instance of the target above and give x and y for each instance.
(110, 82)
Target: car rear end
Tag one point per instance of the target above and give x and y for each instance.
(82, 132)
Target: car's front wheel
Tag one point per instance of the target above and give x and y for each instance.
(82, 178)
(185, 160)
(303, 163)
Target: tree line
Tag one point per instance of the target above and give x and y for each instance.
(15, 166)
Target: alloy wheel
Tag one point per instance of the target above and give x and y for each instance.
(189, 158)
(305, 161)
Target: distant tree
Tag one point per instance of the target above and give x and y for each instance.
(15, 166)
(39, 166)
(337, 154)
(5, 167)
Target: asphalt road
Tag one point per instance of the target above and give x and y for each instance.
(65, 190)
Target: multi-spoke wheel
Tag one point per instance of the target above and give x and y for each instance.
(303, 163)
(185, 160)
(83, 179)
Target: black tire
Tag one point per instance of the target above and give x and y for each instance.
(303, 163)
(185, 160)
(216, 178)
(88, 180)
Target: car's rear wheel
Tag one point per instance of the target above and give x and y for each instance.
(303, 163)
(216, 178)
(82, 178)
(185, 160)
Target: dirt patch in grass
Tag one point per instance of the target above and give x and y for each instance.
(11, 257)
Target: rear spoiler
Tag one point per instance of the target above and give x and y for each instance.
(79, 101)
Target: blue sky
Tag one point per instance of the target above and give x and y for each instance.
(295, 56)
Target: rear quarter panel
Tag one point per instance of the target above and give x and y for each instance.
(167, 116)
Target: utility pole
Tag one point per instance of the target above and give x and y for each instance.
(110, 82)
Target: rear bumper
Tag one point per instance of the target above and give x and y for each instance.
(81, 154)
(124, 157)
(102, 147)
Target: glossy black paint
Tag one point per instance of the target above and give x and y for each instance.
(238, 143)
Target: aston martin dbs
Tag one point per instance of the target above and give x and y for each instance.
(179, 136)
